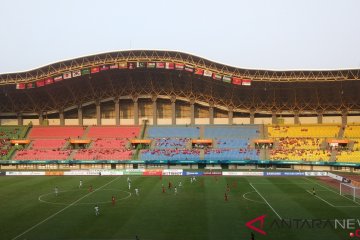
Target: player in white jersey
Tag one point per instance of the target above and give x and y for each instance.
(56, 191)
(180, 184)
(137, 191)
(80, 184)
(129, 185)
(175, 190)
(97, 212)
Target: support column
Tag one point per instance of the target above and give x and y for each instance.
(117, 111)
(98, 113)
(20, 119)
(80, 115)
(344, 117)
(62, 118)
(192, 112)
(41, 118)
(296, 117)
(320, 117)
(252, 116)
(173, 110)
(273, 117)
(154, 110)
(136, 111)
(211, 113)
(230, 115)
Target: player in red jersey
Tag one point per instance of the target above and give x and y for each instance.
(113, 200)
(163, 189)
(225, 197)
(90, 188)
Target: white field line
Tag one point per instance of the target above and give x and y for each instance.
(244, 196)
(331, 190)
(71, 204)
(320, 198)
(266, 201)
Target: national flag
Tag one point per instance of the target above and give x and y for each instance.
(179, 66)
(227, 79)
(114, 66)
(40, 83)
(94, 70)
(85, 71)
(104, 68)
(189, 68)
(58, 78)
(67, 75)
(216, 76)
(76, 73)
(169, 65)
(131, 65)
(160, 65)
(49, 81)
(150, 65)
(140, 64)
(246, 82)
(20, 86)
(207, 73)
(236, 81)
(199, 71)
(30, 85)
(123, 65)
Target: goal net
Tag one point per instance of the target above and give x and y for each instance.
(350, 191)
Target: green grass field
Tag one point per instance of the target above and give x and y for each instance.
(29, 208)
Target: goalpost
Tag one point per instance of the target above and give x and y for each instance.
(350, 191)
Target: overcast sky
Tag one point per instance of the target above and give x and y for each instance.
(264, 34)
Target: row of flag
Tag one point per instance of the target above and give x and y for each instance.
(136, 65)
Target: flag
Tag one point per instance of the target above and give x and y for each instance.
(216, 76)
(199, 71)
(246, 82)
(160, 65)
(189, 68)
(94, 70)
(85, 71)
(104, 68)
(67, 75)
(20, 86)
(236, 81)
(207, 73)
(114, 66)
(227, 79)
(140, 64)
(150, 65)
(76, 73)
(49, 81)
(170, 65)
(58, 78)
(30, 85)
(40, 83)
(179, 66)
(122, 65)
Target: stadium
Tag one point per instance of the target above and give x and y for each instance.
(280, 144)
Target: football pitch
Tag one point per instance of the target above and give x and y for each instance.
(30, 209)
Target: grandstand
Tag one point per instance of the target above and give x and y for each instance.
(170, 99)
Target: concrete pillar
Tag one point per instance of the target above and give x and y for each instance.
(62, 118)
(80, 115)
(192, 112)
(19, 119)
(211, 114)
(320, 117)
(344, 117)
(41, 118)
(296, 117)
(136, 111)
(273, 117)
(173, 110)
(230, 115)
(154, 110)
(252, 116)
(98, 113)
(117, 111)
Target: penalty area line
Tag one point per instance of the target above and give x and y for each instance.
(266, 201)
(61, 210)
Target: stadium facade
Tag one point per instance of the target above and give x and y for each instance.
(168, 87)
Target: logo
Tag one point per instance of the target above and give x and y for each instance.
(249, 224)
